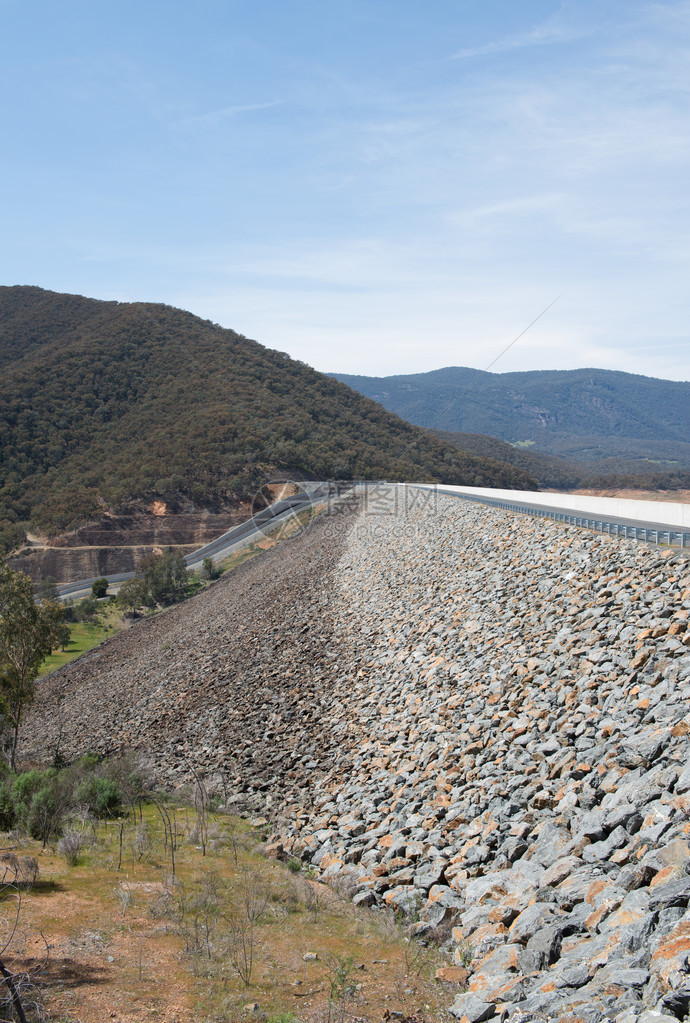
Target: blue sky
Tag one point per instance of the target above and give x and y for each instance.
(371, 186)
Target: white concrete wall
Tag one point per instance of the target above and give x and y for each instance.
(668, 513)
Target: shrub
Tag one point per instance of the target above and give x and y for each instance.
(20, 871)
(7, 813)
(39, 801)
(70, 845)
(49, 807)
(89, 761)
(141, 841)
(24, 788)
(42, 812)
(28, 871)
(101, 796)
(85, 610)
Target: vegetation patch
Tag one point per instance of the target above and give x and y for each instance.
(107, 403)
(84, 636)
(168, 910)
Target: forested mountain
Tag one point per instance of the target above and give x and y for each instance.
(553, 472)
(586, 414)
(105, 402)
(549, 471)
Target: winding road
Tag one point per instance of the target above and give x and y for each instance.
(239, 536)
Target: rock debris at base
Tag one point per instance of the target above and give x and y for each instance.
(482, 718)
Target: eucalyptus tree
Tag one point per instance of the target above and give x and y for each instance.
(28, 632)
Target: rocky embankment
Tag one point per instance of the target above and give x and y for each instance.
(232, 683)
(482, 718)
(517, 763)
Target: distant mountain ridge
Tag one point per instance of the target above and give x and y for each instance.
(584, 414)
(102, 403)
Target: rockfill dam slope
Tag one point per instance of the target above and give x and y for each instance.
(481, 718)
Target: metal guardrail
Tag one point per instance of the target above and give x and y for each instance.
(662, 537)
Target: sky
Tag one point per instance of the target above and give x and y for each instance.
(373, 186)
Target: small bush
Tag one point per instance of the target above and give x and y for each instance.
(123, 894)
(288, 899)
(28, 871)
(85, 610)
(38, 802)
(26, 785)
(70, 846)
(294, 865)
(7, 812)
(101, 796)
(20, 871)
(141, 841)
(41, 819)
(88, 761)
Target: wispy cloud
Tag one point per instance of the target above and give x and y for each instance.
(226, 113)
(541, 35)
(367, 201)
(520, 206)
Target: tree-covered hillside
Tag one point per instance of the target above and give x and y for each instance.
(550, 472)
(584, 414)
(554, 472)
(104, 402)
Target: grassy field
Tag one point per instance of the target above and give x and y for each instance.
(231, 936)
(84, 636)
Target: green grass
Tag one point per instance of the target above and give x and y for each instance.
(236, 559)
(84, 636)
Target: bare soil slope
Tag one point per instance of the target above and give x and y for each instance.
(116, 543)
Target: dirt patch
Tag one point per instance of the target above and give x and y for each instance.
(102, 964)
(682, 496)
(279, 491)
(115, 958)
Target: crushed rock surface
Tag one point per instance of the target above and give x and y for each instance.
(232, 683)
(481, 719)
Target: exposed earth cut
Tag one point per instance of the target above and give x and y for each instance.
(482, 717)
(117, 543)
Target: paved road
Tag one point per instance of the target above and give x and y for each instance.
(239, 536)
